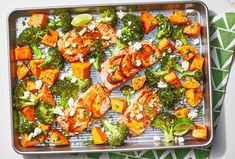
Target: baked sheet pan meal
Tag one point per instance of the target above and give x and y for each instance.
(108, 79)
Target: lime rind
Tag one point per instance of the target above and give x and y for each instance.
(182, 126)
(81, 19)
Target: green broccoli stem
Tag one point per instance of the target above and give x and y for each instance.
(96, 64)
(128, 99)
(160, 73)
(169, 135)
(64, 101)
(107, 125)
(184, 40)
(15, 120)
(177, 67)
(36, 50)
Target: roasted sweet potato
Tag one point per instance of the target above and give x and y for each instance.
(26, 143)
(49, 75)
(98, 136)
(138, 82)
(58, 138)
(29, 112)
(34, 67)
(51, 38)
(192, 30)
(197, 63)
(38, 20)
(172, 79)
(46, 96)
(182, 112)
(190, 83)
(23, 53)
(178, 18)
(193, 96)
(200, 132)
(187, 51)
(165, 45)
(81, 70)
(22, 71)
(30, 85)
(149, 21)
(45, 131)
(118, 105)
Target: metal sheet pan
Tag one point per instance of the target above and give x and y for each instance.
(145, 141)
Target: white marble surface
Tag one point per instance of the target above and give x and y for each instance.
(224, 142)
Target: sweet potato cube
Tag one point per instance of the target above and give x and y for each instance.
(58, 138)
(197, 63)
(191, 83)
(98, 136)
(138, 82)
(187, 51)
(46, 96)
(50, 39)
(81, 70)
(182, 112)
(178, 18)
(200, 131)
(149, 21)
(29, 112)
(118, 105)
(34, 67)
(38, 20)
(192, 30)
(22, 71)
(49, 75)
(30, 85)
(173, 79)
(28, 143)
(193, 96)
(165, 45)
(23, 53)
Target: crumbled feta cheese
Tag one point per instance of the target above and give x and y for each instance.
(192, 114)
(77, 125)
(156, 138)
(176, 139)
(129, 43)
(69, 52)
(43, 56)
(138, 63)
(164, 54)
(92, 60)
(132, 115)
(37, 131)
(120, 14)
(105, 37)
(58, 111)
(74, 45)
(62, 76)
(83, 31)
(110, 71)
(185, 65)
(72, 112)
(73, 80)
(38, 84)
(162, 26)
(141, 108)
(139, 116)
(30, 136)
(151, 40)
(169, 50)
(70, 102)
(161, 84)
(181, 139)
(26, 94)
(91, 27)
(108, 19)
(137, 46)
(137, 111)
(196, 41)
(119, 33)
(66, 44)
(178, 43)
(129, 23)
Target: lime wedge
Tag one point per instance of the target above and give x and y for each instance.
(182, 126)
(81, 20)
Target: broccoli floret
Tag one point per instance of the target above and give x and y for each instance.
(177, 34)
(127, 91)
(119, 47)
(165, 121)
(116, 133)
(64, 21)
(25, 126)
(153, 77)
(54, 59)
(165, 28)
(22, 97)
(66, 90)
(44, 113)
(133, 28)
(169, 96)
(108, 15)
(169, 63)
(31, 37)
(197, 75)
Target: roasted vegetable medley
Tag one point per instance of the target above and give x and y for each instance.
(57, 57)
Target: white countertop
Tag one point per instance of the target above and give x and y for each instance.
(225, 135)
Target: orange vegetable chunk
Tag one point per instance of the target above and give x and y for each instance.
(23, 53)
(81, 69)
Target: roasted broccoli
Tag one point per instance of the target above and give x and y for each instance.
(177, 34)
(54, 59)
(119, 47)
(154, 76)
(31, 37)
(197, 75)
(169, 96)
(25, 126)
(44, 113)
(116, 133)
(165, 28)
(169, 63)
(22, 97)
(108, 15)
(165, 121)
(127, 91)
(64, 21)
(133, 28)
(66, 89)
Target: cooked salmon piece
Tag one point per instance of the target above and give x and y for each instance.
(120, 67)
(91, 106)
(143, 110)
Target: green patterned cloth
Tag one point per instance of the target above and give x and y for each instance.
(222, 38)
